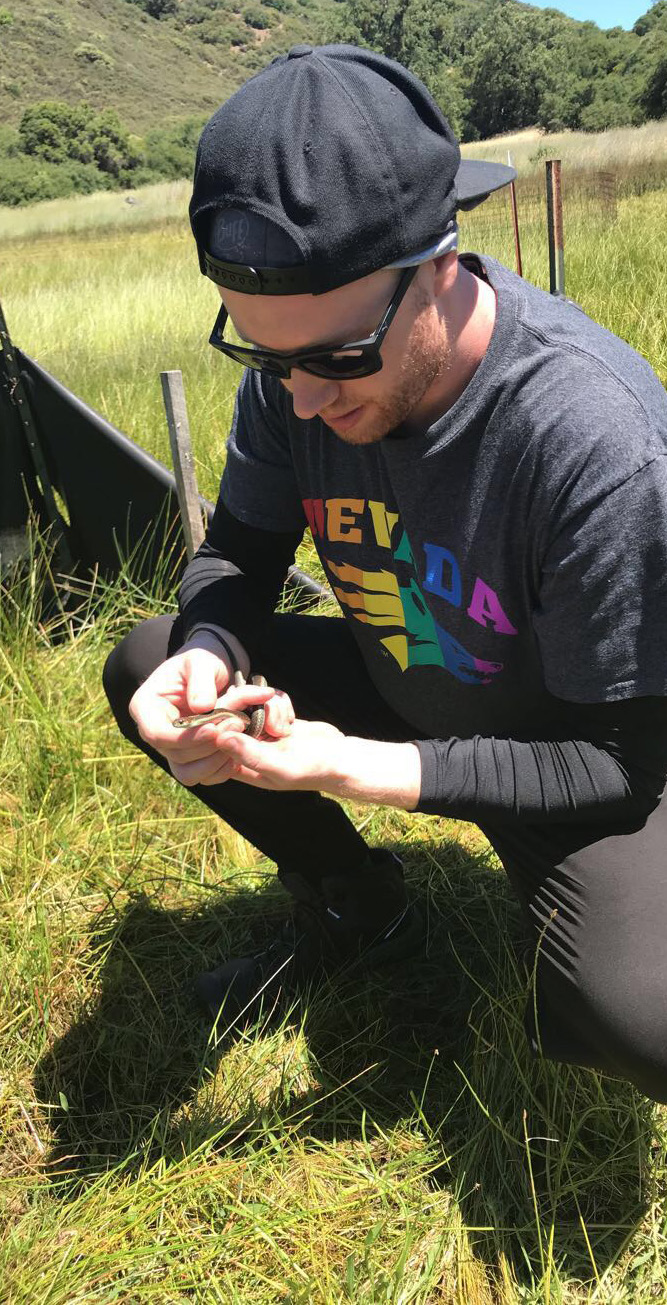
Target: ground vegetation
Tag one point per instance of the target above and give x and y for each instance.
(388, 1141)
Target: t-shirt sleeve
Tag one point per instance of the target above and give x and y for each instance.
(258, 484)
(601, 617)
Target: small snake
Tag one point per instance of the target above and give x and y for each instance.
(253, 723)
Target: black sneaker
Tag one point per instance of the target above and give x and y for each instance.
(362, 919)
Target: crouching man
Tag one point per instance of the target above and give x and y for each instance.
(483, 472)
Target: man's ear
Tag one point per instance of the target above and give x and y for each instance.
(446, 270)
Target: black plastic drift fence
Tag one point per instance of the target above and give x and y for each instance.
(119, 504)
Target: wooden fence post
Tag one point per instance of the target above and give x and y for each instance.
(555, 228)
(181, 453)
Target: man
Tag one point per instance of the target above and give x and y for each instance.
(483, 472)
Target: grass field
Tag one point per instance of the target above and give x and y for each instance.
(391, 1142)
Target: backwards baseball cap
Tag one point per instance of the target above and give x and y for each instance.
(329, 164)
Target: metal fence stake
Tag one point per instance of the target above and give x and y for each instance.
(515, 222)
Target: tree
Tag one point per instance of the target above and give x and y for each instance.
(509, 71)
(57, 132)
(656, 16)
(62, 133)
(652, 95)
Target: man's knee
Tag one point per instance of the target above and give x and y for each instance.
(630, 1011)
(614, 1018)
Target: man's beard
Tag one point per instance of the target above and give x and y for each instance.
(419, 369)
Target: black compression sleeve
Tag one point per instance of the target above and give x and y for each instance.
(617, 772)
(234, 580)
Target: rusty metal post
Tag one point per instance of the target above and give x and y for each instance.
(555, 228)
(515, 222)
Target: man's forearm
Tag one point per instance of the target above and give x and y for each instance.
(369, 771)
(482, 779)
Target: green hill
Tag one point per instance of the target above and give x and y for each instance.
(113, 53)
(494, 65)
(141, 66)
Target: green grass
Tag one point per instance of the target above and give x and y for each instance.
(391, 1141)
(623, 151)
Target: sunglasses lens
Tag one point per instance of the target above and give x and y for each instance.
(258, 361)
(345, 364)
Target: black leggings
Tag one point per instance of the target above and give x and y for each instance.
(597, 904)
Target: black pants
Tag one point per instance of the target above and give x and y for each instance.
(595, 899)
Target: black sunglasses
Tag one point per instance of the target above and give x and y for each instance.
(336, 362)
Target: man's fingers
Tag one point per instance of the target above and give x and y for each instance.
(205, 676)
(214, 769)
(200, 741)
(153, 716)
(255, 754)
(279, 716)
(238, 697)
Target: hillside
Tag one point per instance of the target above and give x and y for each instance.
(113, 93)
(112, 53)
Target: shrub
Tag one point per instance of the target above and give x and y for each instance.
(217, 33)
(91, 54)
(161, 8)
(6, 19)
(170, 151)
(27, 180)
(254, 17)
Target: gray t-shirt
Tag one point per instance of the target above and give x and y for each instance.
(512, 556)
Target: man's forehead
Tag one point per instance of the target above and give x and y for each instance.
(268, 320)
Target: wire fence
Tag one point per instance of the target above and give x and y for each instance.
(593, 203)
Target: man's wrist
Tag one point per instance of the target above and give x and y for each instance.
(366, 770)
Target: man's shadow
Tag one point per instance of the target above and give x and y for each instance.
(524, 1144)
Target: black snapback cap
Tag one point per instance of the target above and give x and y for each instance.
(329, 164)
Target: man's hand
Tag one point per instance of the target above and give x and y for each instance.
(315, 755)
(196, 681)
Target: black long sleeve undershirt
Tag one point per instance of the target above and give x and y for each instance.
(234, 580)
(617, 771)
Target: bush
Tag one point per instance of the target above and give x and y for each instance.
(161, 8)
(6, 19)
(217, 33)
(61, 133)
(25, 181)
(254, 17)
(91, 54)
(170, 151)
(606, 112)
(157, 8)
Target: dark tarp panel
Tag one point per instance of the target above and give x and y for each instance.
(121, 502)
(20, 497)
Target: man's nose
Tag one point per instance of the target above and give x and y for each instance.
(311, 394)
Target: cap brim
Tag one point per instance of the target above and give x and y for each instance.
(476, 180)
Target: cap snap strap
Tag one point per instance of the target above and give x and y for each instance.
(260, 281)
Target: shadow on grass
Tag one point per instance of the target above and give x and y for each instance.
(530, 1150)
